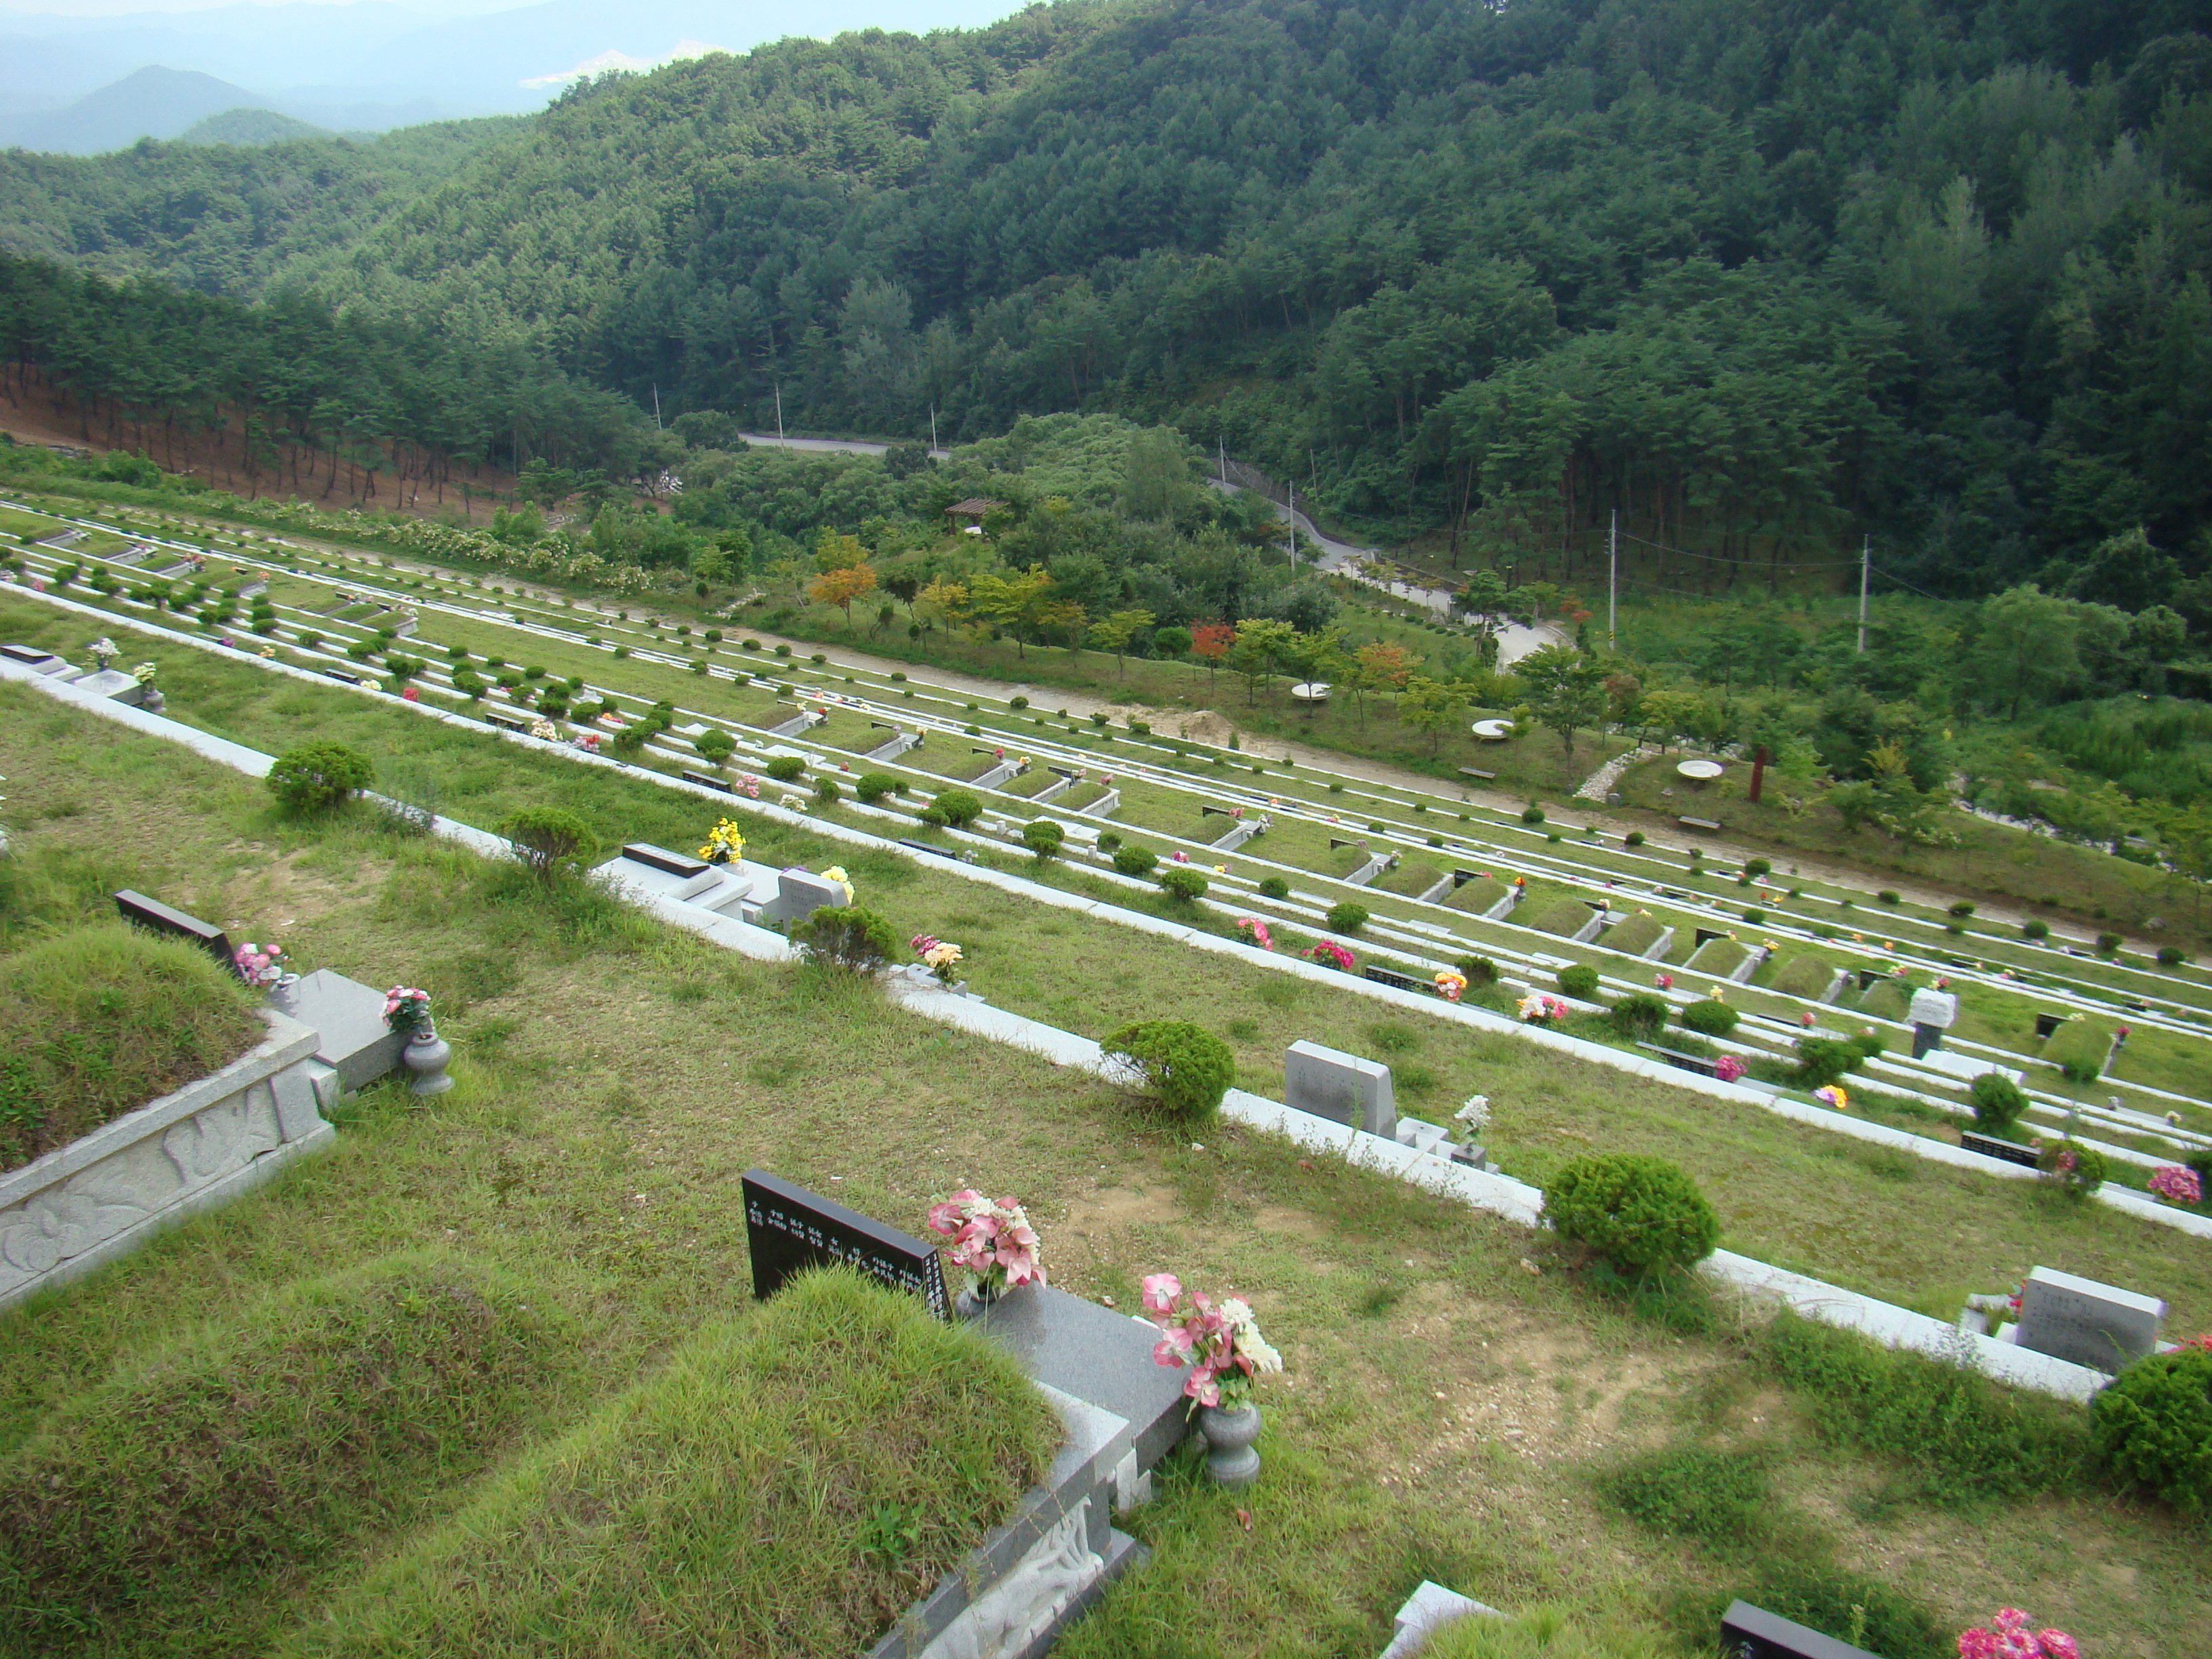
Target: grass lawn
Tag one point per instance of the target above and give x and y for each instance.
(1446, 1411)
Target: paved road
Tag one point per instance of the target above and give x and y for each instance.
(827, 446)
(1515, 642)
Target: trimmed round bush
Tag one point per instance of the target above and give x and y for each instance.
(2075, 1169)
(1888, 896)
(1961, 910)
(1710, 1018)
(1642, 1214)
(1754, 917)
(1998, 1103)
(318, 777)
(2035, 929)
(552, 841)
(715, 745)
(1821, 1061)
(1135, 861)
(1579, 980)
(1043, 837)
(2172, 955)
(1179, 881)
(1758, 867)
(872, 786)
(1479, 971)
(1018, 702)
(1274, 887)
(786, 768)
(1532, 813)
(2152, 1427)
(1346, 918)
(1108, 843)
(826, 790)
(848, 937)
(1633, 838)
(1639, 1018)
(2107, 944)
(959, 806)
(1186, 1069)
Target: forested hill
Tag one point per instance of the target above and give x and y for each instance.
(1762, 275)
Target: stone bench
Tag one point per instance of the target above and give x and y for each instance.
(1713, 824)
(1477, 772)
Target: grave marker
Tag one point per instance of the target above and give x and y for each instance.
(2090, 1324)
(151, 914)
(1340, 1087)
(1750, 1632)
(789, 1230)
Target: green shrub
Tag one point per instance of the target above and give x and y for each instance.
(330, 1412)
(1532, 813)
(1639, 1018)
(1579, 980)
(2107, 944)
(1633, 935)
(1018, 702)
(553, 841)
(2152, 1427)
(782, 1486)
(1754, 916)
(1758, 867)
(2080, 1047)
(2075, 1169)
(714, 745)
(960, 807)
(1043, 837)
(826, 791)
(1717, 1498)
(1179, 881)
(2035, 929)
(1961, 910)
(1822, 1061)
(872, 786)
(1633, 838)
(1887, 896)
(1643, 1215)
(318, 777)
(1998, 1103)
(1274, 887)
(1135, 861)
(2172, 955)
(1479, 971)
(100, 1020)
(1967, 1439)
(1710, 1018)
(1803, 975)
(1346, 918)
(847, 937)
(786, 768)
(1185, 1068)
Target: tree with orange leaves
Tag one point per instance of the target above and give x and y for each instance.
(842, 586)
(1210, 642)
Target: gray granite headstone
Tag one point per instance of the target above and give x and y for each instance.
(1096, 1355)
(351, 1037)
(2090, 1324)
(798, 895)
(1937, 1008)
(1341, 1087)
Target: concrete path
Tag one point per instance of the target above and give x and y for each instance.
(828, 446)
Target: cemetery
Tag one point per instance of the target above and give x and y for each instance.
(676, 1168)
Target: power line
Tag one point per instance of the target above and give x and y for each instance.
(1722, 558)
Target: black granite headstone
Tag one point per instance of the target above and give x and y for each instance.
(1705, 933)
(25, 654)
(142, 912)
(660, 858)
(2011, 1151)
(708, 780)
(1750, 1632)
(789, 1230)
(1396, 981)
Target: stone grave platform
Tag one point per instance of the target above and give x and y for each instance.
(353, 1045)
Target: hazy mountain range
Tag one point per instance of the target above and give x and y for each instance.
(77, 84)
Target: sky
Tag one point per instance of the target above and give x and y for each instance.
(125, 8)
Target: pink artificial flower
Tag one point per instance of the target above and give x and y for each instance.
(1728, 1068)
(409, 693)
(2176, 1184)
(1664, 981)
(1160, 1292)
(1806, 1018)
(1181, 857)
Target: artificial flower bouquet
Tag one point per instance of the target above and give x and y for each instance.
(992, 1238)
(1220, 1344)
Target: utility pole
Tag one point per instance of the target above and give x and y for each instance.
(656, 406)
(778, 411)
(1866, 555)
(1613, 584)
(932, 428)
(1291, 507)
(1222, 444)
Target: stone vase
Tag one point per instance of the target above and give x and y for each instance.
(1231, 1457)
(285, 994)
(426, 1055)
(976, 1301)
